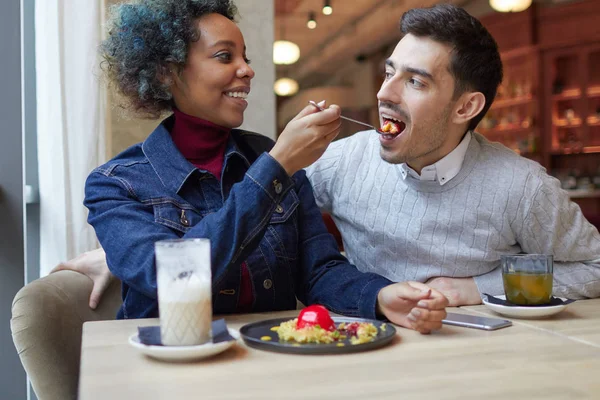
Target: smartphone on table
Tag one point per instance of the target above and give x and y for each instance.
(473, 321)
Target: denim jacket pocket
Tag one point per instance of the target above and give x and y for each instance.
(282, 231)
(175, 215)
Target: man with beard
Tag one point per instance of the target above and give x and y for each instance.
(433, 201)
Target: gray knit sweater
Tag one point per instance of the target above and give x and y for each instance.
(499, 203)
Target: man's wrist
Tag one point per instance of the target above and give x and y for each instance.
(473, 293)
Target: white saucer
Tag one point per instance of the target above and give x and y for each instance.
(183, 353)
(524, 311)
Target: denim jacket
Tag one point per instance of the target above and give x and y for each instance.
(256, 213)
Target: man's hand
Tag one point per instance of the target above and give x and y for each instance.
(459, 291)
(93, 265)
(412, 305)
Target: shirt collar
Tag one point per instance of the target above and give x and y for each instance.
(443, 170)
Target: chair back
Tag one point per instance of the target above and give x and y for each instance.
(47, 321)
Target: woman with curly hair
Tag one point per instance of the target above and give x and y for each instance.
(197, 176)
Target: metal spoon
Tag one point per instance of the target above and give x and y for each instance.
(348, 119)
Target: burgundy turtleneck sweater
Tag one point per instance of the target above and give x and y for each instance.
(203, 144)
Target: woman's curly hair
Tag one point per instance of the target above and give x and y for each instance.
(147, 39)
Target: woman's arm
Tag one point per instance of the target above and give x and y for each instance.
(126, 226)
(127, 230)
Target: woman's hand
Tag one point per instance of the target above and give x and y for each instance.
(412, 305)
(93, 265)
(306, 137)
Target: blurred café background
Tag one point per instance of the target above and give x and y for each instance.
(60, 120)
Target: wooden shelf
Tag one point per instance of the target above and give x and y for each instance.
(509, 130)
(511, 102)
(591, 149)
(584, 150)
(593, 121)
(517, 53)
(563, 123)
(569, 94)
(583, 193)
(593, 91)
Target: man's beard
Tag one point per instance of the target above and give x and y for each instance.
(434, 137)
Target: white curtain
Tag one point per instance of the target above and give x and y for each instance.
(71, 116)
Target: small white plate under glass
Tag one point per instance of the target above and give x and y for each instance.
(183, 353)
(524, 311)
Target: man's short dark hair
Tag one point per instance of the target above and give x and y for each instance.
(475, 61)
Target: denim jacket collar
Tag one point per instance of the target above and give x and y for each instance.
(172, 168)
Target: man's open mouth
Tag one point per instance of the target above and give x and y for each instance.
(392, 127)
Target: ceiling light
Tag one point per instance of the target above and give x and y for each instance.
(327, 9)
(285, 87)
(312, 22)
(510, 5)
(285, 52)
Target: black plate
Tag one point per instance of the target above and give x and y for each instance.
(252, 333)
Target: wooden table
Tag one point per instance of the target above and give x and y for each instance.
(579, 322)
(520, 362)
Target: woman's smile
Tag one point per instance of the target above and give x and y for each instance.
(238, 96)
